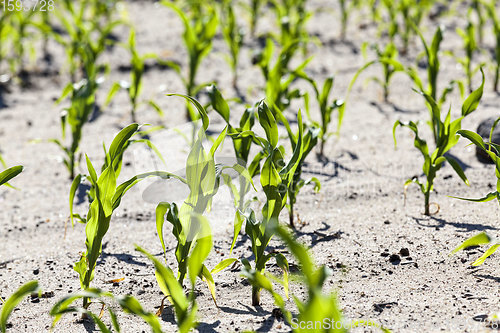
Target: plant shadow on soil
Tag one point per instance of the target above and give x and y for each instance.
(440, 223)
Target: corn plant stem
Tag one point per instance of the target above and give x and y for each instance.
(427, 196)
(256, 295)
(292, 224)
(495, 82)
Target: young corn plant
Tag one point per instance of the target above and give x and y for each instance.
(495, 19)
(326, 108)
(292, 17)
(21, 21)
(199, 31)
(445, 134)
(470, 46)
(318, 304)
(412, 16)
(127, 303)
(276, 177)
(279, 76)
(254, 9)
(309, 138)
(388, 58)
(493, 150)
(432, 54)
(241, 146)
(346, 10)
(106, 195)
(82, 99)
(85, 40)
(233, 35)
(134, 87)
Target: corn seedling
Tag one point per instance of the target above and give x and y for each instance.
(276, 177)
(241, 146)
(432, 54)
(412, 16)
(493, 150)
(127, 303)
(292, 17)
(309, 138)
(470, 48)
(199, 31)
(445, 134)
(85, 41)
(203, 178)
(9, 305)
(134, 87)
(346, 9)
(279, 76)
(388, 59)
(326, 108)
(233, 35)
(107, 196)
(254, 9)
(21, 35)
(495, 19)
(75, 117)
(318, 304)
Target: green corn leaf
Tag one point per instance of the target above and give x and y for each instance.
(199, 107)
(9, 305)
(74, 186)
(488, 197)
(207, 277)
(479, 239)
(474, 98)
(222, 265)
(218, 102)
(10, 173)
(473, 137)
(166, 278)
(268, 123)
(131, 305)
(488, 253)
(121, 140)
(161, 210)
(201, 249)
(458, 169)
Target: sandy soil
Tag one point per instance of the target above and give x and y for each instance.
(353, 225)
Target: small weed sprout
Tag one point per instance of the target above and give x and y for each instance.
(445, 134)
(493, 150)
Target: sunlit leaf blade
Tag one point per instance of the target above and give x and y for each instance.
(9, 305)
(479, 239)
(10, 173)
